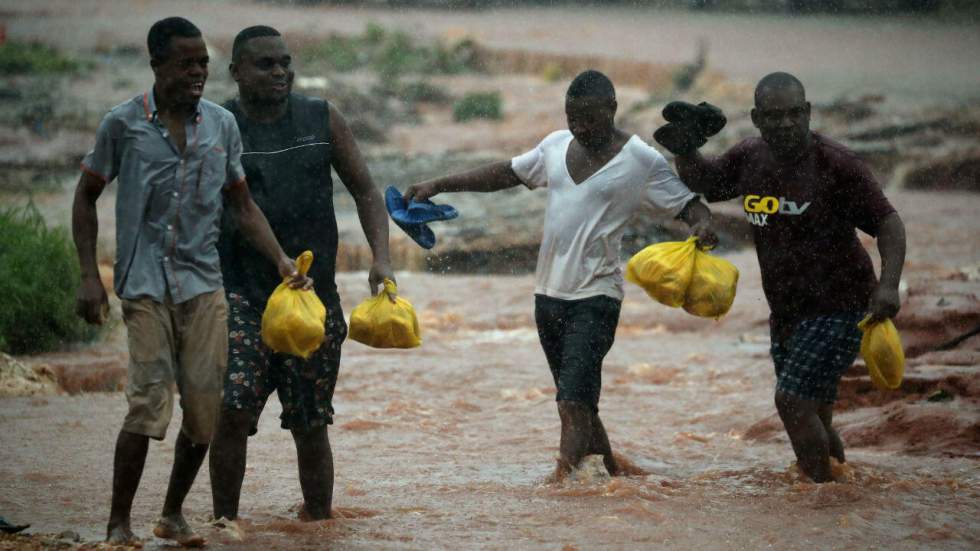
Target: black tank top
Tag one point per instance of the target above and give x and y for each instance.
(287, 165)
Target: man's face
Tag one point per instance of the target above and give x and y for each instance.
(264, 71)
(590, 120)
(782, 116)
(180, 77)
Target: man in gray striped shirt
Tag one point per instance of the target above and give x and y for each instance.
(176, 158)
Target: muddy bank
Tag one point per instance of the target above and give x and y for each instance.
(918, 59)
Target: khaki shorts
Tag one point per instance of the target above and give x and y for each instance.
(183, 345)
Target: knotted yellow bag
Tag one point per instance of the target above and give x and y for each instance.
(664, 270)
(712, 288)
(881, 348)
(380, 323)
(293, 321)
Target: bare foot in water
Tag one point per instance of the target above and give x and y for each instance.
(591, 470)
(304, 515)
(229, 530)
(625, 467)
(561, 472)
(176, 528)
(121, 534)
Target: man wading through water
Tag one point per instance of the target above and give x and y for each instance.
(804, 195)
(597, 177)
(290, 141)
(176, 159)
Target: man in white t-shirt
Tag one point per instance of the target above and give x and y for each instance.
(597, 178)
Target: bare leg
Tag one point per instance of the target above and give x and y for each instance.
(600, 445)
(229, 449)
(826, 413)
(127, 469)
(576, 432)
(807, 434)
(315, 460)
(188, 458)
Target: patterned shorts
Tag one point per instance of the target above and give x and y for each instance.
(305, 387)
(809, 363)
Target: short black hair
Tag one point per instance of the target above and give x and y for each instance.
(256, 31)
(158, 39)
(591, 83)
(778, 81)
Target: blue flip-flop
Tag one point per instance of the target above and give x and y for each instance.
(413, 216)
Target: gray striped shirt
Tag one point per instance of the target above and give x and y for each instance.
(168, 204)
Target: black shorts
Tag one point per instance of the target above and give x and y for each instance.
(305, 387)
(576, 335)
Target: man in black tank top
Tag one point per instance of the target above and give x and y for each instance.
(290, 143)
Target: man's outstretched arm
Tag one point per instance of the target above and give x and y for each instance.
(886, 302)
(492, 177)
(354, 173)
(256, 229)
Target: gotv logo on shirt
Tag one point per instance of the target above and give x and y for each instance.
(758, 208)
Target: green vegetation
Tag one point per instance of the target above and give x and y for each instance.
(390, 53)
(412, 92)
(478, 105)
(34, 58)
(38, 277)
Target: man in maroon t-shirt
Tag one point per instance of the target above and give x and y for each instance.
(804, 196)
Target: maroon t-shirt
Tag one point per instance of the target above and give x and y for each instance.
(803, 217)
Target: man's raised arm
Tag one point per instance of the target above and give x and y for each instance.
(700, 174)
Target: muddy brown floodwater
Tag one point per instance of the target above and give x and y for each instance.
(449, 446)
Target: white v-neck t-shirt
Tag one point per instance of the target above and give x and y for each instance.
(584, 223)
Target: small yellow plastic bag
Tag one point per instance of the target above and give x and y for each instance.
(712, 288)
(881, 348)
(664, 270)
(379, 323)
(293, 321)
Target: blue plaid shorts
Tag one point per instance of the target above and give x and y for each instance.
(810, 362)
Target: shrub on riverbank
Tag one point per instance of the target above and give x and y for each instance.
(17, 58)
(38, 277)
(390, 54)
(478, 105)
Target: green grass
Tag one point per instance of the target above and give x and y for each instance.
(18, 58)
(478, 105)
(38, 278)
(390, 53)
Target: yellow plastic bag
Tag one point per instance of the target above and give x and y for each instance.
(293, 321)
(379, 323)
(712, 288)
(881, 348)
(664, 270)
